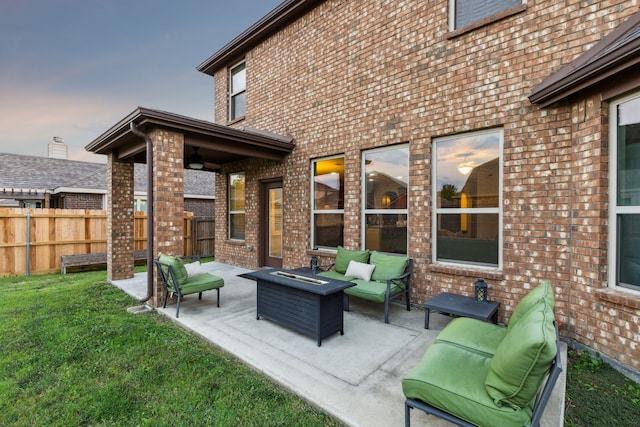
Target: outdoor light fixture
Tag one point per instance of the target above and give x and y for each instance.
(480, 290)
(195, 162)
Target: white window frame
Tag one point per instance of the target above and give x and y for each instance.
(363, 202)
(614, 209)
(452, 15)
(315, 211)
(234, 94)
(435, 210)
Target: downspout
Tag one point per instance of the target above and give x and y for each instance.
(150, 265)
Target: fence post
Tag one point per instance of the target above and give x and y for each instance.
(28, 247)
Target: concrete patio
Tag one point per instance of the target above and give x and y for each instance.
(355, 377)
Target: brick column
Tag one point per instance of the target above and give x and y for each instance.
(119, 219)
(168, 187)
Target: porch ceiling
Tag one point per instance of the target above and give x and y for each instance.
(217, 144)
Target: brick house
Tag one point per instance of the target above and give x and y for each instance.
(494, 142)
(46, 182)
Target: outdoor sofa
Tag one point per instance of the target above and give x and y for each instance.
(378, 277)
(478, 373)
(177, 280)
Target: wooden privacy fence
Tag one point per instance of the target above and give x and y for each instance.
(203, 235)
(32, 240)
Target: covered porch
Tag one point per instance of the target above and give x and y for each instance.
(167, 143)
(355, 377)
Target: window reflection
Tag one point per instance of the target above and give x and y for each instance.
(385, 178)
(328, 202)
(467, 186)
(236, 206)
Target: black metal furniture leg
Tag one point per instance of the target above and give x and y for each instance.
(407, 415)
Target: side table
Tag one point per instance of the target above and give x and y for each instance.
(461, 305)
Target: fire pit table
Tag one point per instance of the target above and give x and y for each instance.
(300, 300)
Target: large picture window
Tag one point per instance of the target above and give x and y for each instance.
(327, 191)
(467, 195)
(466, 12)
(238, 92)
(236, 206)
(624, 216)
(385, 181)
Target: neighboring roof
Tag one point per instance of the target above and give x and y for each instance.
(33, 176)
(615, 54)
(283, 15)
(217, 144)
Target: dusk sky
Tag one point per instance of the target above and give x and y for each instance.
(73, 68)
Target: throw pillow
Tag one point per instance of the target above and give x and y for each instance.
(387, 266)
(194, 268)
(344, 256)
(541, 293)
(522, 359)
(360, 270)
(178, 267)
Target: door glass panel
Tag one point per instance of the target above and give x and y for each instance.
(275, 222)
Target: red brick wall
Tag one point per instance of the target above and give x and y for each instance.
(200, 207)
(351, 76)
(119, 219)
(82, 201)
(168, 187)
(245, 253)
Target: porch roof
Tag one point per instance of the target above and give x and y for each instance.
(614, 61)
(217, 144)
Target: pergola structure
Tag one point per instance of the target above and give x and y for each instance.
(166, 142)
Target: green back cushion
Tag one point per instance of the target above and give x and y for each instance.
(344, 256)
(542, 292)
(523, 359)
(178, 268)
(387, 266)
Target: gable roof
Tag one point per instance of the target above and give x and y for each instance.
(615, 54)
(33, 176)
(284, 14)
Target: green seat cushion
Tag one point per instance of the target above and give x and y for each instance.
(335, 275)
(473, 335)
(387, 266)
(371, 290)
(344, 256)
(523, 358)
(542, 292)
(200, 283)
(452, 380)
(177, 265)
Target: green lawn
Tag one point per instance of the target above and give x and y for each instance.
(72, 355)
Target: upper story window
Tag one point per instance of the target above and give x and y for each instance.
(467, 197)
(466, 12)
(327, 202)
(238, 91)
(624, 215)
(385, 179)
(236, 205)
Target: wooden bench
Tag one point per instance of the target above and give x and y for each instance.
(94, 259)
